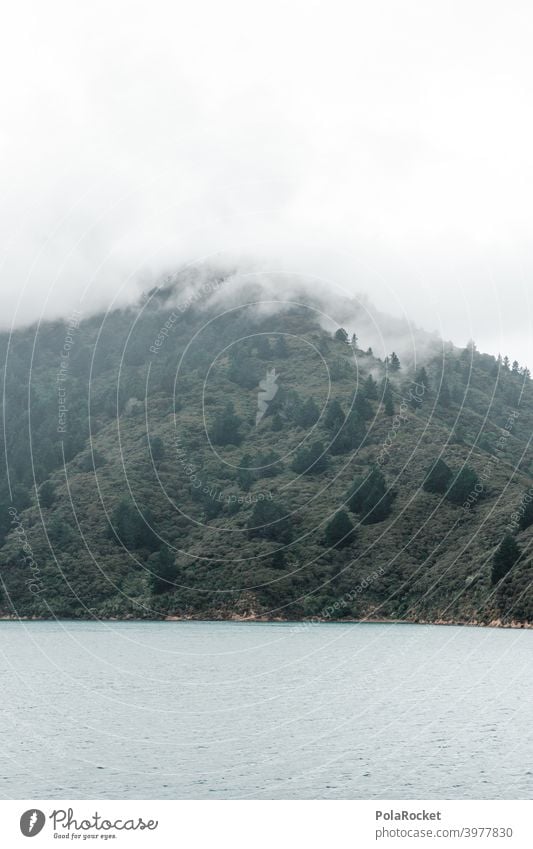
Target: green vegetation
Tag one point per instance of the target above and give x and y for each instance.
(438, 478)
(162, 493)
(506, 556)
(340, 531)
(371, 498)
(465, 484)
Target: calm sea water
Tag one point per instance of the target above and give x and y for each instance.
(231, 710)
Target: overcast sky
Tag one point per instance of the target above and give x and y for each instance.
(385, 146)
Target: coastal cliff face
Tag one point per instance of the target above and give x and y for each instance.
(213, 456)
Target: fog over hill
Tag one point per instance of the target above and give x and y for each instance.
(233, 446)
(391, 159)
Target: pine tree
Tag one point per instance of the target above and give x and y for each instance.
(354, 341)
(246, 473)
(281, 350)
(394, 362)
(339, 531)
(334, 418)
(506, 556)
(124, 524)
(371, 388)
(308, 414)
(310, 461)
(388, 403)
(421, 379)
(464, 484)
(225, 430)
(349, 436)
(163, 571)
(269, 520)
(132, 527)
(371, 498)
(444, 397)
(244, 370)
(47, 494)
(363, 407)
(341, 335)
(157, 448)
(438, 477)
(277, 422)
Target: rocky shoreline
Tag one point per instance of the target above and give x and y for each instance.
(302, 623)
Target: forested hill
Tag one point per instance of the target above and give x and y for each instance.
(201, 457)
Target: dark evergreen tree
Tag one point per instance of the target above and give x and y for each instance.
(269, 520)
(506, 556)
(339, 531)
(157, 448)
(91, 460)
(268, 465)
(310, 461)
(350, 435)
(125, 524)
(394, 362)
(438, 477)
(211, 507)
(47, 494)
(291, 404)
(362, 407)
(371, 498)
(281, 350)
(163, 572)
(463, 485)
(246, 473)
(341, 335)
(225, 430)
(371, 388)
(388, 403)
(132, 527)
(444, 398)
(244, 370)
(334, 418)
(421, 379)
(308, 414)
(60, 533)
(277, 422)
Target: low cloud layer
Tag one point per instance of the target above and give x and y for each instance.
(380, 148)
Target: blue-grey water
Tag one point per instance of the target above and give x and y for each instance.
(263, 711)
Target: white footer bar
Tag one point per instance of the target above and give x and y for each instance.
(215, 824)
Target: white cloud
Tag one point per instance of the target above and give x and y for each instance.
(383, 145)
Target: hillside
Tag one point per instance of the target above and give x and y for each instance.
(210, 456)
